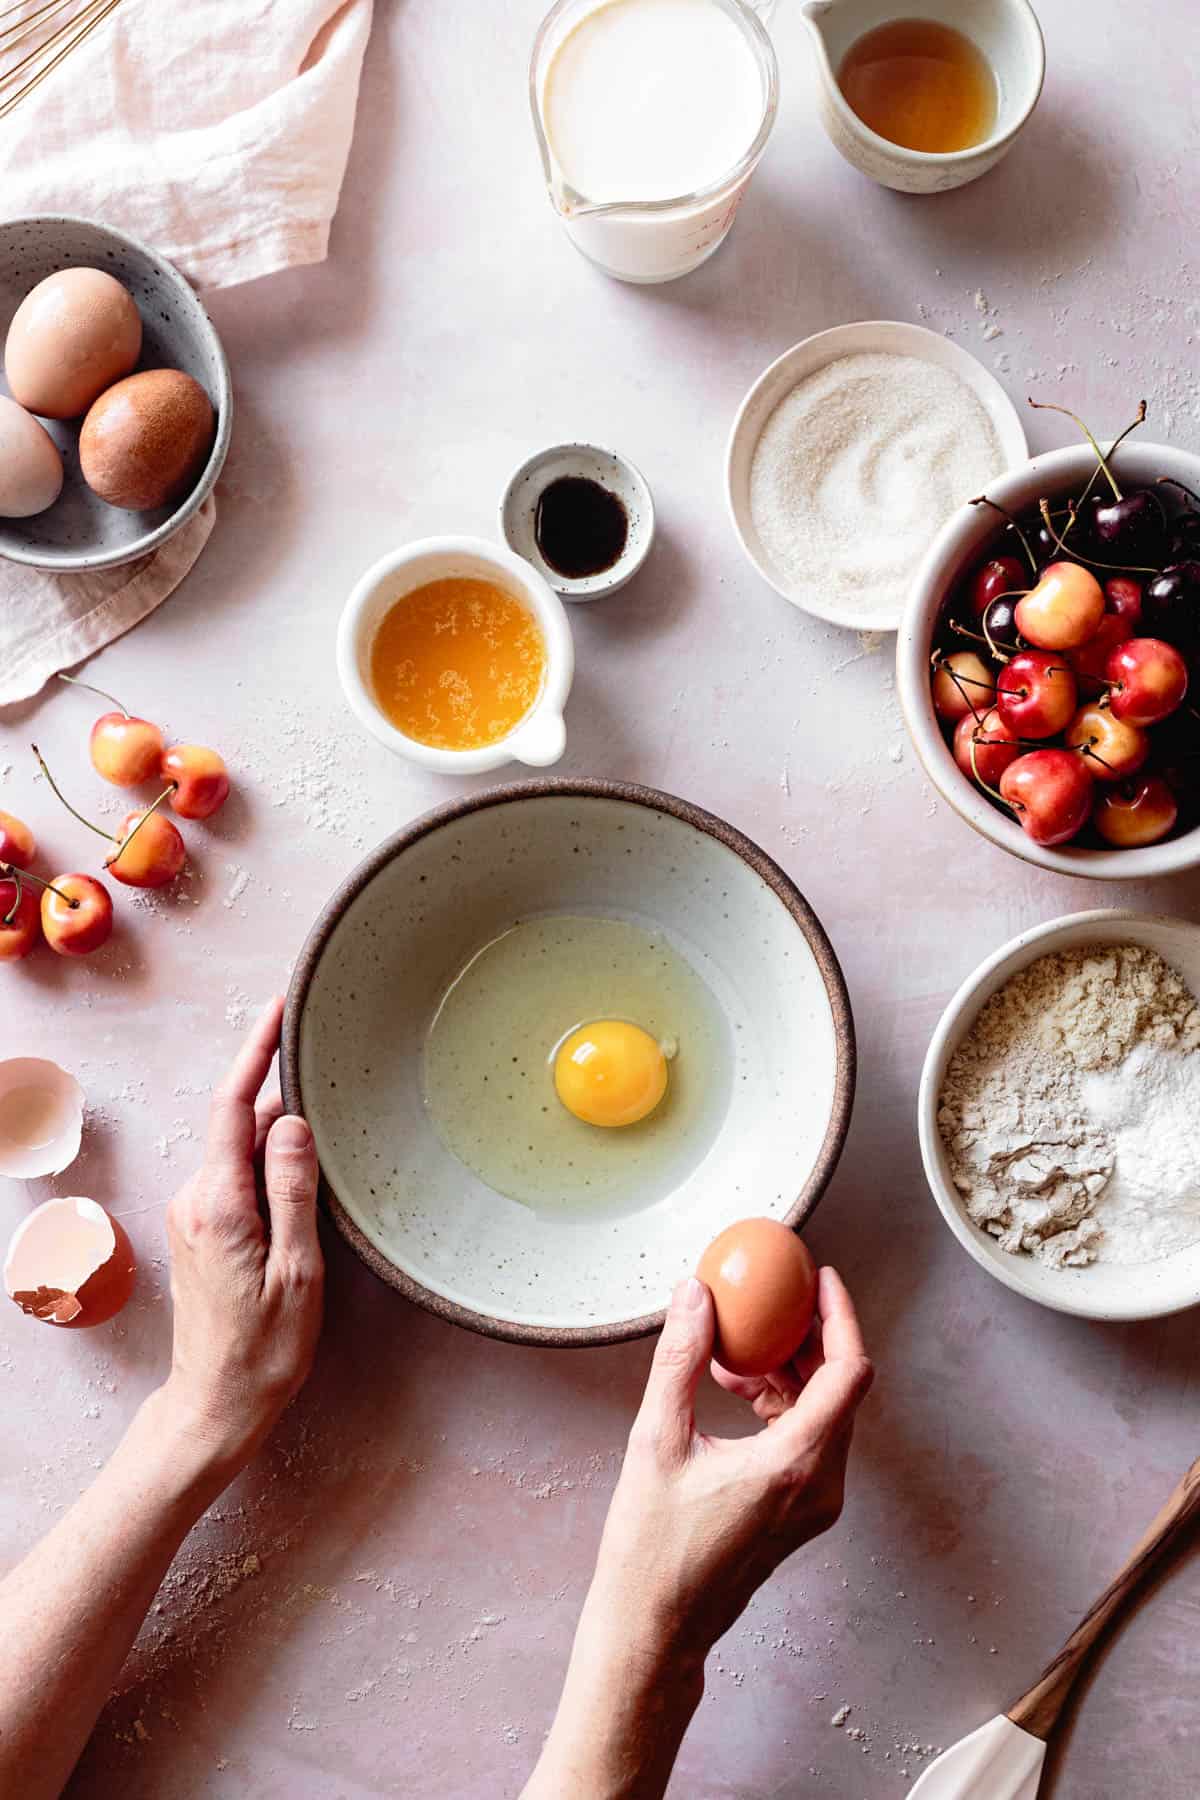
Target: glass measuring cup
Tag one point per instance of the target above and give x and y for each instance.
(652, 240)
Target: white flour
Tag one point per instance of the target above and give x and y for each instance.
(857, 468)
(1068, 1112)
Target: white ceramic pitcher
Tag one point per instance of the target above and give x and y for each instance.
(652, 240)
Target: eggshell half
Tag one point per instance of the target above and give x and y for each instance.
(764, 1289)
(72, 336)
(41, 1118)
(31, 468)
(70, 1263)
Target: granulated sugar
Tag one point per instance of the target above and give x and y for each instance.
(855, 471)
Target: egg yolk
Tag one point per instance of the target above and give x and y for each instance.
(610, 1073)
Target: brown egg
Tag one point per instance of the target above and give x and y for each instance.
(70, 1263)
(146, 440)
(72, 336)
(764, 1289)
(31, 466)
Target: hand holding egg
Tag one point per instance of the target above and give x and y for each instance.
(697, 1523)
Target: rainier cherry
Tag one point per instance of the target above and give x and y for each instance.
(124, 750)
(17, 846)
(1035, 695)
(1136, 813)
(20, 919)
(1002, 575)
(1063, 610)
(992, 743)
(150, 851)
(77, 914)
(1051, 793)
(200, 780)
(1111, 747)
(962, 684)
(1149, 680)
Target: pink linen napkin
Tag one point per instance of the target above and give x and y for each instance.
(218, 132)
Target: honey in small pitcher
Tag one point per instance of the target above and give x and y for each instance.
(920, 84)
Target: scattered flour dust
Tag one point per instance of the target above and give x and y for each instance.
(857, 468)
(1068, 1111)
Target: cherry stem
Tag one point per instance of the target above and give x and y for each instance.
(1013, 805)
(1092, 561)
(982, 500)
(19, 875)
(962, 682)
(1182, 486)
(58, 791)
(124, 843)
(1053, 406)
(11, 914)
(1000, 653)
(75, 682)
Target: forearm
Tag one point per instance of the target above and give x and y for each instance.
(71, 1610)
(627, 1701)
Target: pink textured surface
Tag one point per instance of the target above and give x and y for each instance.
(383, 1605)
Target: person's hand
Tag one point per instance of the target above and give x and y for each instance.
(695, 1526)
(698, 1523)
(246, 1288)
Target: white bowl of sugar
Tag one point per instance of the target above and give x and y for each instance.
(1063, 1115)
(848, 455)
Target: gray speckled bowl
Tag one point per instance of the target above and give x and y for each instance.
(80, 531)
(378, 961)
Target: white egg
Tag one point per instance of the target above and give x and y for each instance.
(31, 468)
(41, 1118)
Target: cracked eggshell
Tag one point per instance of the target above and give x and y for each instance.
(70, 1263)
(41, 1118)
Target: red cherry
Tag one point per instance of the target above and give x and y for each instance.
(1149, 680)
(993, 746)
(200, 778)
(1123, 597)
(1035, 694)
(19, 934)
(1051, 793)
(1090, 660)
(1001, 575)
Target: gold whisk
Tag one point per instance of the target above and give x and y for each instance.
(54, 41)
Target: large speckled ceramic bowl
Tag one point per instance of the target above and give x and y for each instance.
(80, 531)
(378, 961)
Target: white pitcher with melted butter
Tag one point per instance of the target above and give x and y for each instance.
(651, 116)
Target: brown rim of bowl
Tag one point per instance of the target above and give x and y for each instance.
(781, 885)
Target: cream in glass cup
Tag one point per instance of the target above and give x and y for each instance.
(651, 117)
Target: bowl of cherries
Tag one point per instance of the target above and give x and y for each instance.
(1049, 660)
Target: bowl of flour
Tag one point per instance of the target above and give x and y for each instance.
(1058, 1111)
(849, 454)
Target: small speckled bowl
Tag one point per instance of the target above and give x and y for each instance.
(1101, 1290)
(80, 531)
(518, 513)
(387, 945)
